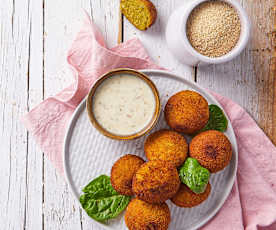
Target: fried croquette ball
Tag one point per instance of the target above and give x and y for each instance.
(186, 198)
(187, 112)
(212, 149)
(166, 145)
(122, 173)
(141, 215)
(156, 181)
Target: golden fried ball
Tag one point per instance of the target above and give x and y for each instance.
(186, 198)
(166, 145)
(122, 173)
(212, 149)
(141, 215)
(187, 112)
(156, 181)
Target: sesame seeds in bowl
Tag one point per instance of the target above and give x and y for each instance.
(203, 32)
(213, 28)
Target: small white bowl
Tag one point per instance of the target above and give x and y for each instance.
(180, 46)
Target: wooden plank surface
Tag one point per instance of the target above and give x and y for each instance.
(272, 69)
(14, 66)
(35, 37)
(60, 208)
(154, 39)
(34, 161)
(246, 79)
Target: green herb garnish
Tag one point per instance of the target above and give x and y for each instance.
(101, 201)
(217, 120)
(194, 175)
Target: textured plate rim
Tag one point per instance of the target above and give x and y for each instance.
(194, 86)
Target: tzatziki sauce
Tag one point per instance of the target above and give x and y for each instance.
(124, 104)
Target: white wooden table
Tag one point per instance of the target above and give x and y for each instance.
(35, 37)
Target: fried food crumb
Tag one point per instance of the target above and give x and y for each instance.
(212, 149)
(141, 215)
(187, 111)
(166, 145)
(186, 198)
(156, 181)
(123, 171)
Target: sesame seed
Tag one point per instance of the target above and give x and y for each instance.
(213, 28)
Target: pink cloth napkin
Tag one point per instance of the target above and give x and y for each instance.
(252, 202)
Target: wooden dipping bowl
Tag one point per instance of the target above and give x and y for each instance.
(95, 123)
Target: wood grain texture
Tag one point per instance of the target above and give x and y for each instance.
(34, 160)
(15, 31)
(154, 39)
(246, 79)
(61, 211)
(34, 39)
(105, 15)
(272, 70)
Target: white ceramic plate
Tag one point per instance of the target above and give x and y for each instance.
(88, 154)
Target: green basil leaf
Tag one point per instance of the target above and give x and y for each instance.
(104, 208)
(194, 175)
(100, 187)
(101, 201)
(217, 120)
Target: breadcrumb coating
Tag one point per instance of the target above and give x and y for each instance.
(212, 149)
(186, 198)
(141, 215)
(166, 145)
(187, 111)
(122, 173)
(156, 181)
(141, 13)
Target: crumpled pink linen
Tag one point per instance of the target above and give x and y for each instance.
(252, 202)
(88, 58)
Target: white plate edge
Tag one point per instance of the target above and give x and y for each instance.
(195, 86)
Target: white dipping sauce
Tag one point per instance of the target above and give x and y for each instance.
(123, 104)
